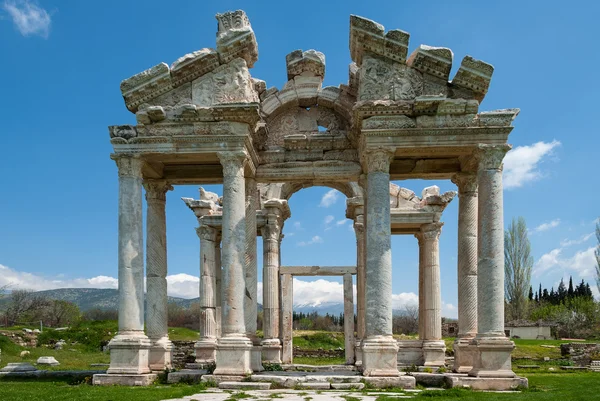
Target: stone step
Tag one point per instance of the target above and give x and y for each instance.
(314, 385)
(244, 386)
(347, 386)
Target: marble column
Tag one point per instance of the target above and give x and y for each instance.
(379, 347)
(250, 298)
(218, 272)
(233, 347)
(493, 348)
(419, 238)
(349, 319)
(271, 233)
(129, 349)
(464, 350)
(287, 309)
(434, 348)
(359, 230)
(207, 343)
(161, 351)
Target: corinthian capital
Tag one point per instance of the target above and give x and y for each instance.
(379, 160)
(490, 156)
(232, 162)
(128, 165)
(429, 232)
(466, 183)
(156, 190)
(207, 233)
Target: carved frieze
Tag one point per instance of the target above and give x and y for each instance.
(388, 122)
(384, 80)
(436, 61)
(308, 63)
(229, 83)
(474, 75)
(235, 38)
(368, 36)
(125, 132)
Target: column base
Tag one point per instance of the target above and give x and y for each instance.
(493, 357)
(379, 356)
(206, 350)
(256, 359)
(271, 351)
(358, 352)
(161, 354)
(129, 353)
(234, 356)
(434, 353)
(465, 353)
(104, 379)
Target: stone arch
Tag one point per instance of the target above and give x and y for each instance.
(286, 190)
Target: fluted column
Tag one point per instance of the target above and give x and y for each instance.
(250, 298)
(218, 272)
(156, 275)
(494, 349)
(129, 349)
(287, 300)
(359, 230)
(234, 347)
(433, 347)
(464, 350)
(349, 319)
(379, 347)
(207, 344)
(271, 233)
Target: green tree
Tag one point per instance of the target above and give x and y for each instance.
(518, 263)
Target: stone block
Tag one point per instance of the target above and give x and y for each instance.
(186, 375)
(310, 63)
(233, 356)
(124, 379)
(244, 386)
(429, 379)
(18, 367)
(404, 381)
(279, 380)
(47, 360)
(194, 65)
(235, 38)
(465, 354)
(487, 383)
(493, 358)
(474, 75)
(436, 61)
(380, 357)
(129, 355)
(314, 385)
(347, 386)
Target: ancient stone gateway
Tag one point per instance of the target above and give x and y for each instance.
(205, 119)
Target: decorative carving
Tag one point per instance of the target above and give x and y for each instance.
(436, 61)
(431, 231)
(490, 156)
(235, 38)
(229, 83)
(474, 75)
(207, 233)
(368, 36)
(466, 183)
(385, 80)
(156, 190)
(308, 63)
(389, 122)
(497, 118)
(378, 160)
(123, 131)
(232, 162)
(128, 165)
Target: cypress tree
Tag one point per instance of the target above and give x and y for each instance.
(570, 292)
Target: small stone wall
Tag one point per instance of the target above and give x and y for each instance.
(580, 353)
(319, 353)
(183, 353)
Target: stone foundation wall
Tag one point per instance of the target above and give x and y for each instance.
(183, 353)
(319, 353)
(580, 353)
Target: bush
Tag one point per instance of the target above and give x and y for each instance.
(91, 335)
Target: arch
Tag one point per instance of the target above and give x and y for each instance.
(286, 190)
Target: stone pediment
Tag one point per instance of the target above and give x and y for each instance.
(204, 78)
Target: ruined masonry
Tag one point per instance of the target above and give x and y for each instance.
(205, 120)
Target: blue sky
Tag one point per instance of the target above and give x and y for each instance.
(63, 62)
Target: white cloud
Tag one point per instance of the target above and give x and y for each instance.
(297, 225)
(547, 226)
(178, 285)
(28, 17)
(341, 222)
(314, 240)
(582, 262)
(449, 310)
(328, 219)
(403, 299)
(318, 292)
(521, 164)
(569, 242)
(329, 198)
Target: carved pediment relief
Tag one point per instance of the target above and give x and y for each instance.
(229, 83)
(387, 80)
(300, 122)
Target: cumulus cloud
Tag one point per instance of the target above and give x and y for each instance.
(178, 285)
(329, 198)
(399, 301)
(547, 226)
(582, 262)
(521, 164)
(29, 18)
(314, 240)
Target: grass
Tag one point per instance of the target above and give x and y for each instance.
(319, 361)
(182, 334)
(318, 339)
(61, 391)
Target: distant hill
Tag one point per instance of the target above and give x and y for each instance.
(96, 298)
